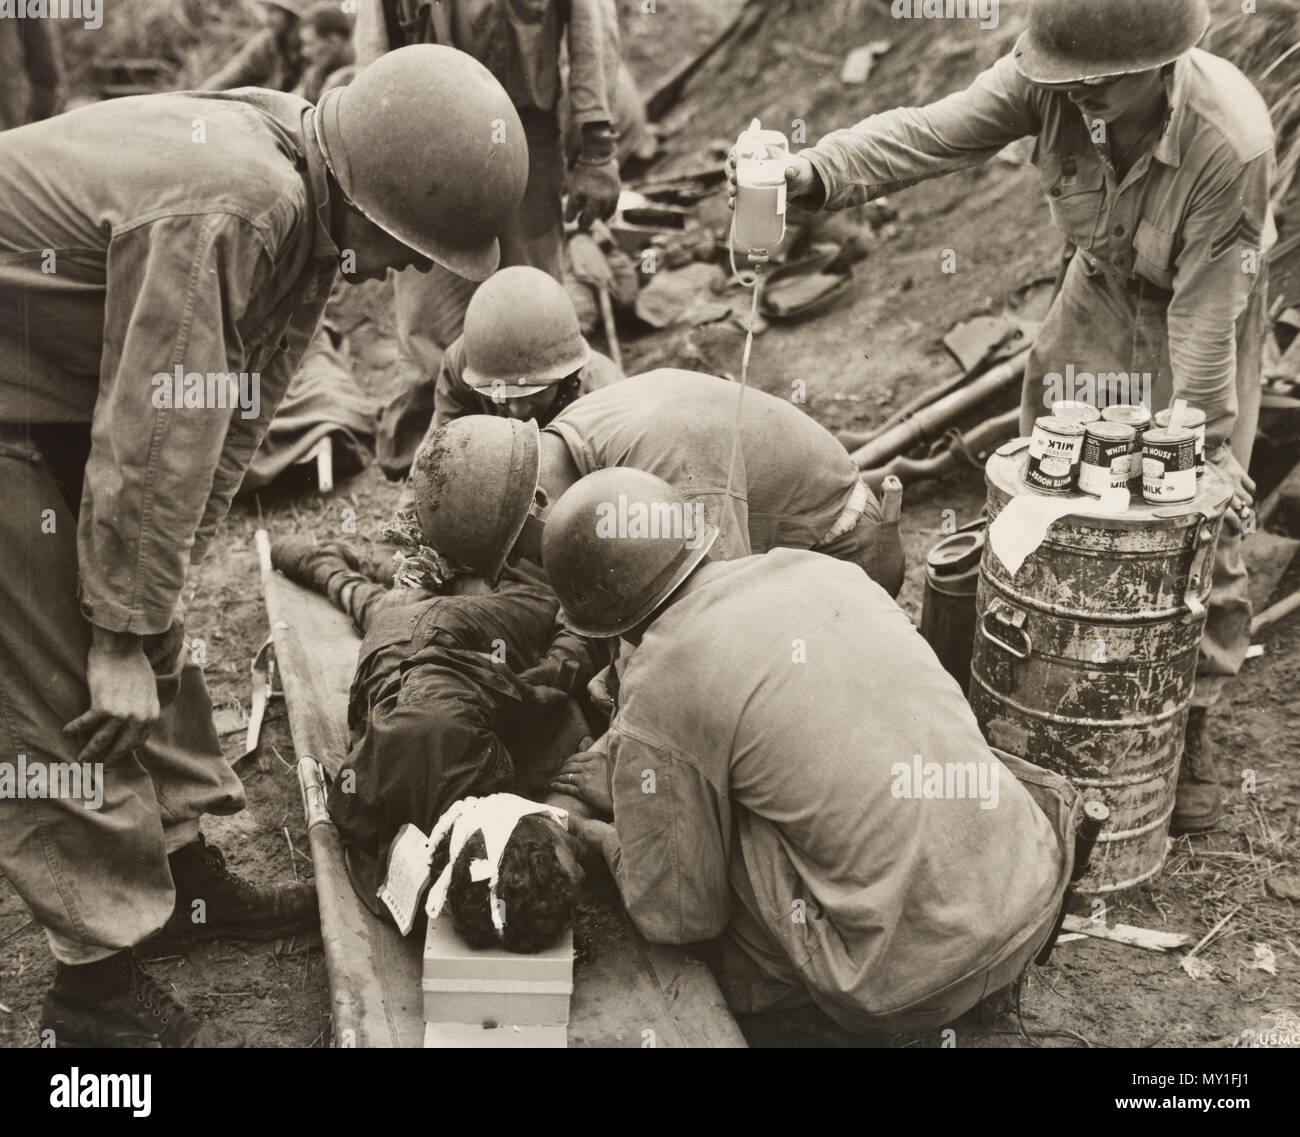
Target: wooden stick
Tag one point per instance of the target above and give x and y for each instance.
(1205, 939)
(1127, 934)
(611, 333)
(1273, 615)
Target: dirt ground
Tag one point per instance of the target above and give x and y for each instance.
(859, 361)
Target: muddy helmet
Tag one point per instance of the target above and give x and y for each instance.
(427, 145)
(521, 334)
(617, 544)
(474, 482)
(1068, 41)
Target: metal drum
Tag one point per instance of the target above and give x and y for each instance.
(1084, 661)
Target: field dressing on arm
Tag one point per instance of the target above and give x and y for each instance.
(758, 224)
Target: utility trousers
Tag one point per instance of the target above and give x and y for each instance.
(430, 306)
(1099, 325)
(96, 878)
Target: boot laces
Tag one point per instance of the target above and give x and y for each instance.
(154, 994)
(216, 861)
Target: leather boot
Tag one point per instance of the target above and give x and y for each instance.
(115, 1003)
(1197, 803)
(232, 907)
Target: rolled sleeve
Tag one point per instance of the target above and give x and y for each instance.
(1222, 241)
(593, 47)
(674, 834)
(177, 286)
(901, 147)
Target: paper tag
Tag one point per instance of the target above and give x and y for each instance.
(409, 874)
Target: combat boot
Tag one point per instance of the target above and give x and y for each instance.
(231, 907)
(115, 1003)
(1197, 803)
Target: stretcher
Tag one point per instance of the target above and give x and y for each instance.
(627, 992)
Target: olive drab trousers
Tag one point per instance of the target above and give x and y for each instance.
(96, 878)
(431, 306)
(1099, 325)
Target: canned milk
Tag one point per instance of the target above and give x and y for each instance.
(1168, 466)
(1194, 421)
(1106, 461)
(1054, 452)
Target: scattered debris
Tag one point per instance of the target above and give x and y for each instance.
(859, 62)
(1264, 960)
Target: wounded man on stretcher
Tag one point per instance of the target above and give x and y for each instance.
(457, 696)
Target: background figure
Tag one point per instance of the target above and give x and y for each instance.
(272, 58)
(521, 47)
(31, 74)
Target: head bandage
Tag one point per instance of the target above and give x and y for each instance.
(495, 817)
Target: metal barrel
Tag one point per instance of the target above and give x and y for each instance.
(1084, 660)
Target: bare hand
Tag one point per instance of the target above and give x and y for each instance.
(1243, 487)
(586, 777)
(593, 192)
(800, 177)
(123, 699)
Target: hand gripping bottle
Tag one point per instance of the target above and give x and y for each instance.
(760, 188)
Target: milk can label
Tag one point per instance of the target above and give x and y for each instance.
(1054, 453)
(1168, 466)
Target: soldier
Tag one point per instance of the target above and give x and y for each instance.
(757, 782)
(520, 42)
(522, 355)
(1157, 160)
(178, 236)
(482, 485)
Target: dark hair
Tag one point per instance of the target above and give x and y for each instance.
(328, 19)
(537, 895)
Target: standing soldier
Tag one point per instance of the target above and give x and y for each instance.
(195, 236)
(520, 42)
(1157, 160)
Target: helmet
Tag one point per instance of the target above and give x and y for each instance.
(1068, 41)
(521, 333)
(617, 544)
(427, 145)
(474, 481)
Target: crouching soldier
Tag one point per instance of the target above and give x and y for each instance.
(164, 236)
(522, 355)
(791, 770)
(445, 704)
(482, 485)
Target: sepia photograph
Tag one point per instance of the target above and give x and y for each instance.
(604, 524)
